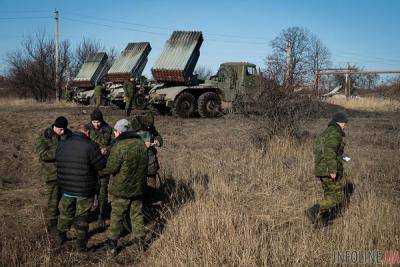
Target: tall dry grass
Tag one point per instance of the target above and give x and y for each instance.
(250, 212)
(14, 102)
(372, 104)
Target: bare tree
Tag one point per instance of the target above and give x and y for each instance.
(296, 55)
(31, 69)
(85, 49)
(203, 72)
(319, 55)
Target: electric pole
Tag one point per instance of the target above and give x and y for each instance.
(56, 51)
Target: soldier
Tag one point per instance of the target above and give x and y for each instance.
(78, 159)
(152, 139)
(129, 90)
(127, 164)
(98, 94)
(46, 145)
(328, 153)
(101, 133)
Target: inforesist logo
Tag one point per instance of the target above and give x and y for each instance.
(366, 257)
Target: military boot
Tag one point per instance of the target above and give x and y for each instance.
(112, 246)
(81, 245)
(101, 222)
(312, 213)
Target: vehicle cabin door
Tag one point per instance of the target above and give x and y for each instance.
(250, 80)
(227, 79)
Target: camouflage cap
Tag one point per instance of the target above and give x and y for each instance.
(122, 126)
(135, 124)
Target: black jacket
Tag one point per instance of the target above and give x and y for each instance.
(78, 159)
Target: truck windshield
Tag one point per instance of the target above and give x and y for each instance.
(250, 71)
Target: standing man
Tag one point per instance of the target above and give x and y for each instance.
(152, 139)
(78, 160)
(46, 146)
(129, 90)
(127, 164)
(98, 94)
(328, 153)
(101, 133)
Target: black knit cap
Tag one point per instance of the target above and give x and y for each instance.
(340, 117)
(61, 122)
(96, 115)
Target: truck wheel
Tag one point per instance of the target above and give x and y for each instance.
(209, 105)
(140, 101)
(184, 105)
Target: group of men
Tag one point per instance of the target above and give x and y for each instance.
(129, 94)
(77, 168)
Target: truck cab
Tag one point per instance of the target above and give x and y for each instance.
(233, 80)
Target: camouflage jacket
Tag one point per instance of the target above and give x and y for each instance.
(127, 164)
(98, 90)
(102, 137)
(129, 90)
(328, 151)
(45, 147)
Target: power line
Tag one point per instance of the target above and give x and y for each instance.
(22, 18)
(154, 33)
(164, 28)
(111, 26)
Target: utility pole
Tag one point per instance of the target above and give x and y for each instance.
(56, 52)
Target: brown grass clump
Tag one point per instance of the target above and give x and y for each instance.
(372, 104)
(233, 202)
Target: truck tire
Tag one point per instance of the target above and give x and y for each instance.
(209, 105)
(140, 101)
(184, 105)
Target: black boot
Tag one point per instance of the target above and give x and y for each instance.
(62, 237)
(112, 246)
(312, 213)
(81, 245)
(101, 222)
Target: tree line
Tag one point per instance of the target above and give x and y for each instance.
(296, 56)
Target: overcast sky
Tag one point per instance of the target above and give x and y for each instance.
(365, 32)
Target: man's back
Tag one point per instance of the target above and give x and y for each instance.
(78, 159)
(128, 163)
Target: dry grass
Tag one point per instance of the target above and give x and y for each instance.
(31, 103)
(372, 104)
(249, 213)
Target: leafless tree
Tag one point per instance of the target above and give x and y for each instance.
(85, 49)
(296, 55)
(31, 69)
(203, 72)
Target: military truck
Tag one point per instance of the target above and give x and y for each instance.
(180, 92)
(129, 64)
(90, 74)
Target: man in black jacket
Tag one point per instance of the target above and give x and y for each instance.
(78, 159)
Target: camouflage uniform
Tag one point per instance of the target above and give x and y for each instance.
(328, 152)
(149, 133)
(74, 209)
(98, 93)
(46, 146)
(102, 138)
(128, 165)
(129, 90)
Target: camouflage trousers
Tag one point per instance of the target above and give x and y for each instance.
(128, 105)
(98, 100)
(53, 196)
(103, 197)
(75, 210)
(126, 215)
(333, 194)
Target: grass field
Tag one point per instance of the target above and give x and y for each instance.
(238, 201)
